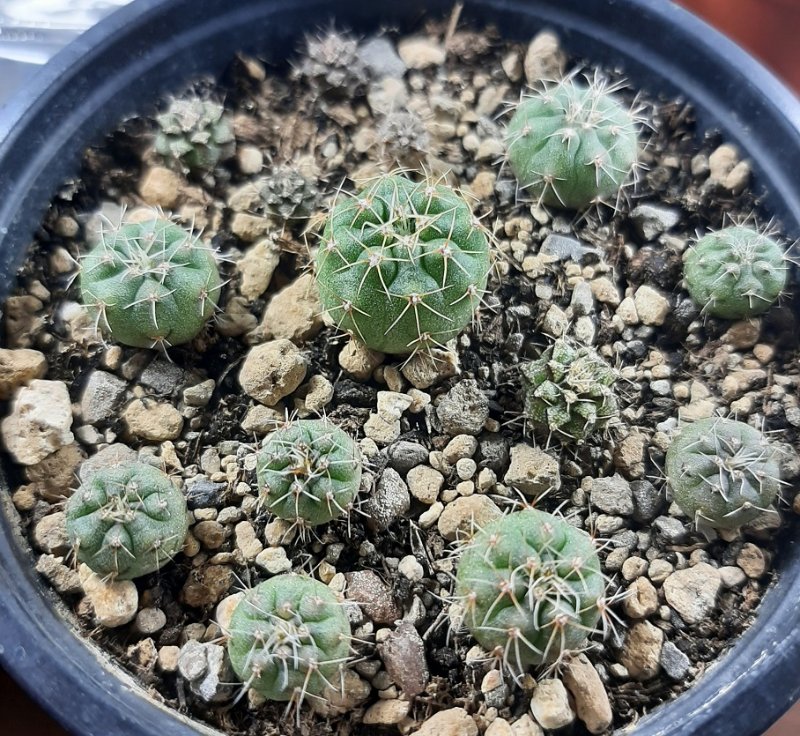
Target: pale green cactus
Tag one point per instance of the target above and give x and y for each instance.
(402, 265)
(573, 143)
(150, 284)
(530, 588)
(289, 637)
(569, 391)
(735, 273)
(127, 521)
(723, 473)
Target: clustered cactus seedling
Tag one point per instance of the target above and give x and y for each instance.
(403, 135)
(331, 64)
(723, 473)
(289, 637)
(736, 272)
(195, 134)
(531, 588)
(127, 521)
(150, 284)
(569, 391)
(309, 472)
(571, 143)
(287, 194)
(402, 265)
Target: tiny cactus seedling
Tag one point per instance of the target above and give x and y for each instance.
(402, 265)
(403, 136)
(735, 273)
(195, 134)
(127, 521)
(569, 391)
(289, 637)
(331, 64)
(287, 194)
(530, 587)
(308, 472)
(573, 143)
(723, 473)
(150, 284)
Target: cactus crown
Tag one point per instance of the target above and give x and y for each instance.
(736, 272)
(125, 522)
(402, 265)
(287, 194)
(289, 637)
(196, 134)
(309, 472)
(331, 64)
(150, 284)
(530, 587)
(573, 143)
(569, 391)
(723, 473)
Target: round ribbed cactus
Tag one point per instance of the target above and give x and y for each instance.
(286, 194)
(402, 265)
(150, 284)
(195, 134)
(127, 521)
(331, 64)
(572, 143)
(289, 636)
(736, 272)
(531, 588)
(308, 472)
(723, 473)
(569, 391)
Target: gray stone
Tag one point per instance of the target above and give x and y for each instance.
(493, 453)
(674, 662)
(670, 529)
(381, 58)
(404, 455)
(533, 471)
(201, 493)
(693, 592)
(650, 220)
(464, 409)
(373, 595)
(612, 495)
(100, 396)
(403, 654)
(199, 394)
(550, 704)
(582, 301)
(389, 501)
(647, 500)
(208, 670)
(564, 248)
(162, 376)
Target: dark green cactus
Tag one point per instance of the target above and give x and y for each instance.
(287, 194)
(289, 637)
(569, 391)
(723, 473)
(402, 265)
(308, 472)
(736, 272)
(150, 284)
(127, 521)
(573, 143)
(530, 587)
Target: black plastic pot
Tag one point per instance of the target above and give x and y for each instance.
(156, 45)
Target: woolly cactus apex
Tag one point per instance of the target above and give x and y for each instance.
(309, 472)
(196, 134)
(287, 194)
(127, 521)
(723, 473)
(736, 272)
(402, 265)
(573, 143)
(289, 637)
(569, 391)
(331, 64)
(531, 588)
(150, 284)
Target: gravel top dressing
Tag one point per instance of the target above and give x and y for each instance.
(547, 495)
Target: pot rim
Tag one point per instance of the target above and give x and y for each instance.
(75, 682)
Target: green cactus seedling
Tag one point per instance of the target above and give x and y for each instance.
(289, 637)
(531, 588)
(402, 265)
(569, 391)
(309, 472)
(286, 194)
(127, 521)
(150, 284)
(195, 134)
(723, 473)
(573, 143)
(735, 273)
